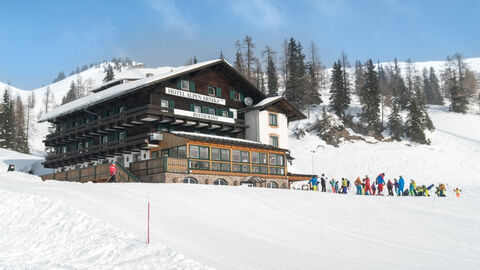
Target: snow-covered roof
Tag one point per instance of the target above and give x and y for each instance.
(292, 113)
(122, 89)
(267, 101)
(208, 137)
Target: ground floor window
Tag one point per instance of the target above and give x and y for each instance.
(190, 180)
(199, 165)
(277, 170)
(220, 182)
(272, 184)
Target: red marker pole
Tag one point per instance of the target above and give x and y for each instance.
(148, 220)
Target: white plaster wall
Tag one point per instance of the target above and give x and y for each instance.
(251, 120)
(259, 129)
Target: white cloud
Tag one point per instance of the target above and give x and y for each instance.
(170, 16)
(261, 13)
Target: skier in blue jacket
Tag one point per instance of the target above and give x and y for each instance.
(314, 183)
(401, 185)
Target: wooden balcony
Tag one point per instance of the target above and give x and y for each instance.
(99, 173)
(159, 165)
(137, 116)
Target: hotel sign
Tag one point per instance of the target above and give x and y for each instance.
(191, 95)
(204, 116)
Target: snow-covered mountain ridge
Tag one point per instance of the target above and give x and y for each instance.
(93, 78)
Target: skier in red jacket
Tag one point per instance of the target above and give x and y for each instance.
(368, 190)
(113, 173)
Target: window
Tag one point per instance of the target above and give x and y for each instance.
(277, 170)
(164, 103)
(241, 168)
(272, 184)
(215, 154)
(122, 109)
(201, 152)
(165, 153)
(104, 139)
(182, 151)
(184, 85)
(197, 109)
(260, 169)
(194, 151)
(154, 154)
(199, 165)
(272, 119)
(211, 111)
(220, 182)
(212, 90)
(190, 180)
(274, 141)
(221, 166)
(173, 152)
(260, 158)
(235, 95)
(79, 146)
(276, 160)
(225, 113)
(240, 156)
(122, 135)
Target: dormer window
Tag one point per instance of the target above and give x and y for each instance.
(212, 90)
(184, 85)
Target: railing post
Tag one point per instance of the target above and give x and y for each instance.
(94, 172)
(146, 167)
(66, 175)
(79, 174)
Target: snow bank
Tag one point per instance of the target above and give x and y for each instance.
(38, 233)
(23, 162)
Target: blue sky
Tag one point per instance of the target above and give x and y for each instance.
(40, 38)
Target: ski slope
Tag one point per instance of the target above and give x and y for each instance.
(65, 225)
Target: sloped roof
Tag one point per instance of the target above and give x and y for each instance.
(125, 88)
(223, 139)
(292, 113)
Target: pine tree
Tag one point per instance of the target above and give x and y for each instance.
(414, 124)
(272, 77)
(314, 66)
(109, 75)
(370, 99)
(47, 99)
(20, 143)
(454, 81)
(395, 121)
(339, 95)
(7, 121)
(398, 85)
(30, 105)
(249, 57)
(295, 88)
(239, 65)
(258, 78)
(359, 77)
(71, 94)
(195, 60)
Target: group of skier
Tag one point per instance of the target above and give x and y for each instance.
(367, 187)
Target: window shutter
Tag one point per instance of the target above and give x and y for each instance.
(171, 104)
(204, 109)
(192, 86)
(192, 107)
(232, 94)
(242, 97)
(219, 92)
(179, 84)
(218, 112)
(230, 114)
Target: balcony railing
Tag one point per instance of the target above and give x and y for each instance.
(159, 165)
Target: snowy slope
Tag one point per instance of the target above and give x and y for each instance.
(231, 228)
(452, 157)
(23, 162)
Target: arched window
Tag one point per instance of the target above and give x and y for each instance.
(190, 180)
(220, 182)
(272, 184)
